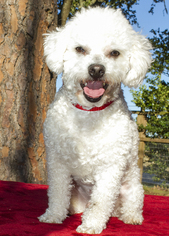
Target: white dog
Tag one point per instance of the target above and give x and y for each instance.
(91, 140)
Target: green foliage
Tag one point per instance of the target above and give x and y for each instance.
(160, 42)
(154, 102)
(157, 161)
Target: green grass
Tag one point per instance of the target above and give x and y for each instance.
(156, 190)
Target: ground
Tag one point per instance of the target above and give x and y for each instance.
(156, 190)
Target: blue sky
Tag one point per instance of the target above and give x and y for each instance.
(147, 21)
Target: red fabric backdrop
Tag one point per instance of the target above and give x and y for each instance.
(21, 204)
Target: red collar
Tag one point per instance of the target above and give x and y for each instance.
(94, 108)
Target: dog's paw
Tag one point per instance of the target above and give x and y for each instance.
(137, 219)
(49, 217)
(88, 229)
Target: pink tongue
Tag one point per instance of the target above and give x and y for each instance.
(94, 89)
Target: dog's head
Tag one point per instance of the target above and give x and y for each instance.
(96, 51)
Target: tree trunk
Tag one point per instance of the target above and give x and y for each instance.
(26, 88)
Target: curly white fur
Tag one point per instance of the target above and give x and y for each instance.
(92, 155)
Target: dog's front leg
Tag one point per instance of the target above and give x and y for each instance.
(103, 198)
(59, 181)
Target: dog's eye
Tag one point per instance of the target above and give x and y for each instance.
(114, 53)
(80, 50)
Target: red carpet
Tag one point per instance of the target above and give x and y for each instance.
(21, 204)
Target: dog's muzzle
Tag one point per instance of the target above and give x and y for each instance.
(94, 88)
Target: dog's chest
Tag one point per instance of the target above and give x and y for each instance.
(88, 136)
(88, 132)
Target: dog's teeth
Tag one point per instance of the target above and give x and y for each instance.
(85, 84)
(104, 84)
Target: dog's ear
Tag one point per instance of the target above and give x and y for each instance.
(55, 45)
(139, 61)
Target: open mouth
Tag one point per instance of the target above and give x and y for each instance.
(94, 90)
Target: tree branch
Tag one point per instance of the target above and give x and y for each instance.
(165, 7)
(65, 11)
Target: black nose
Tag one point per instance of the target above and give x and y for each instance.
(96, 71)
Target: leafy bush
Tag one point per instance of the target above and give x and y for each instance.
(156, 161)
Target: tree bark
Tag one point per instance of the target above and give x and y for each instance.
(26, 88)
